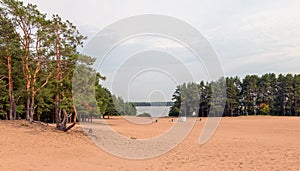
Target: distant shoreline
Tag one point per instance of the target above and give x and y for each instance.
(145, 104)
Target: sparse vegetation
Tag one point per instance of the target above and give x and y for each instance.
(144, 115)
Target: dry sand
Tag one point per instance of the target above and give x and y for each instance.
(241, 143)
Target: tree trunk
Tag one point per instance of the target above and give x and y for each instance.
(63, 124)
(10, 87)
(57, 109)
(74, 119)
(230, 109)
(27, 108)
(27, 74)
(31, 108)
(38, 116)
(10, 108)
(58, 78)
(75, 114)
(14, 107)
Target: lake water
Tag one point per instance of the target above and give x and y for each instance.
(154, 111)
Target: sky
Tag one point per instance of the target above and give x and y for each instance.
(249, 37)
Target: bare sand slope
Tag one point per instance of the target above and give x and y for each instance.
(242, 143)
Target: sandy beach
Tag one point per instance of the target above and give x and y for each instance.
(240, 143)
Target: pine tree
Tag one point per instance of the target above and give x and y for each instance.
(296, 100)
(232, 92)
(249, 93)
(30, 27)
(175, 109)
(9, 49)
(65, 41)
(266, 91)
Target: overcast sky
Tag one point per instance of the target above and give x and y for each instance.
(249, 36)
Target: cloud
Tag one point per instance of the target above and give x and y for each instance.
(154, 42)
(263, 39)
(250, 36)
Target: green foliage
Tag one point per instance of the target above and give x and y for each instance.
(186, 100)
(264, 108)
(232, 92)
(109, 104)
(122, 107)
(268, 94)
(3, 99)
(50, 48)
(144, 115)
(175, 109)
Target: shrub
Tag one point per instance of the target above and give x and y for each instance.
(144, 115)
(264, 108)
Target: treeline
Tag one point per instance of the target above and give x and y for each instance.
(38, 57)
(153, 104)
(101, 104)
(269, 94)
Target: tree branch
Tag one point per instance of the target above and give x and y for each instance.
(45, 83)
(3, 77)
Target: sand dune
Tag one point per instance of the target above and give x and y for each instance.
(241, 143)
